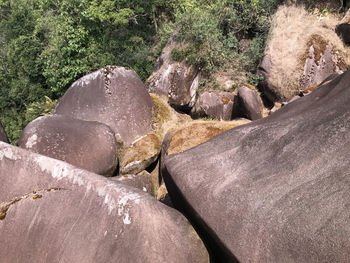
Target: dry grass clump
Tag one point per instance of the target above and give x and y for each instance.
(293, 31)
(198, 132)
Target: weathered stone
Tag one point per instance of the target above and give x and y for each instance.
(140, 154)
(85, 144)
(176, 81)
(320, 62)
(114, 96)
(140, 181)
(217, 104)
(54, 212)
(343, 28)
(250, 103)
(3, 136)
(275, 189)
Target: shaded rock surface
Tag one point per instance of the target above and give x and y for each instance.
(54, 212)
(114, 96)
(3, 136)
(250, 103)
(343, 29)
(85, 144)
(276, 188)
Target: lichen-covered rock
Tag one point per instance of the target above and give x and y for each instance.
(343, 28)
(302, 51)
(217, 104)
(274, 190)
(51, 211)
(88, 145)
(176, 81)
(3, 136)
(165, 118)
(250, 103)
(114, 96)
(140, 154)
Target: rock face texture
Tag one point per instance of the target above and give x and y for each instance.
(300, 54)
(343, 29)
(3, 136)
(85, 144)
(251, 105)
(217, 104)
(114, 96)
(276, 188)
(51, 211)
(177, 81)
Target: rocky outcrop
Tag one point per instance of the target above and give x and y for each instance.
(51, 211)
(85, 144)
(176, 81)
(114, 96)
(3, 136)
(275, 188)
(301, 53)
(250, 103)
(343, 28)
(140, 154)
(216, 104)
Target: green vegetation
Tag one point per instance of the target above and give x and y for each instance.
(48, 44)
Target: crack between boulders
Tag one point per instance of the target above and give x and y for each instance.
(36, 194)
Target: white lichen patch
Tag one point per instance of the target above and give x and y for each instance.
(9, 154)
(59, 170)
(32, 140)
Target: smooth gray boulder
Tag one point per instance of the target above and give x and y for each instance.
(217, 104)
(277, 189)
(51, 211)
(114, 96)
(3, 136)
(89, 145)
(250, 103)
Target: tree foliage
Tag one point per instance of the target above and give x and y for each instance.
(48, 44)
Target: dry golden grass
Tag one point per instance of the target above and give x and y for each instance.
(198, 132)
(292, 30)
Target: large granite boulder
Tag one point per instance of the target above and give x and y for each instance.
(302, 51)
(216, 104)
(88, 145)
(250, 103)
(274, 190)
(173, 80)
(114, 96)
(51, 211)
(343, 29)
(3, 136)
